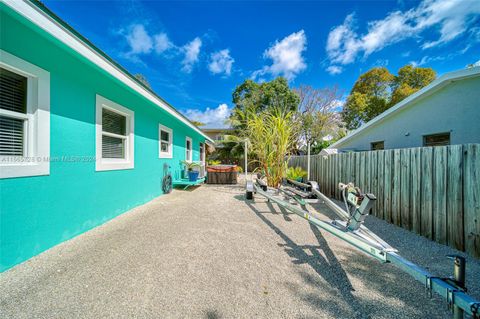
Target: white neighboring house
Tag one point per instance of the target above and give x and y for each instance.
(445, 112)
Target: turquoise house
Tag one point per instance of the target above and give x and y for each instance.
(81, 140)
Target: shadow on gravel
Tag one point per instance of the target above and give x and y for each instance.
(327, 267)
(336, 296)
(212, 314)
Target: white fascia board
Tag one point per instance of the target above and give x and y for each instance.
(45, 22)
(429, 89)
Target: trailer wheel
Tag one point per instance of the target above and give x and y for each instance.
(249, 190)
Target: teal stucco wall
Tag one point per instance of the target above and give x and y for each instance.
(40, 212)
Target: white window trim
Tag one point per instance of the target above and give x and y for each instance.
(191, 149)
(107, 164)
(36, 158)
(168, 154)
(203, 152)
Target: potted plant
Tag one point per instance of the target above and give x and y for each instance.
(296, 173)
(192, 175)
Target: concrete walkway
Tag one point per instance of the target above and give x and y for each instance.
(206, 253)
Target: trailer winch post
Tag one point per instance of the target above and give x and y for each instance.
(361, 212)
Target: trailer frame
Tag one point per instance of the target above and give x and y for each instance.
(451, 289)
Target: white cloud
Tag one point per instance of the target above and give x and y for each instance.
(212, 118)
(451, 17)
(192, 51)
(221, 62)
(139, 40)
(286, 56)
(162, 43)
(334, 69)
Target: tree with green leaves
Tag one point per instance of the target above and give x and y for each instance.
(409, 80)
(198, 123)
(377, 90)
(251, 97)
(369, 97)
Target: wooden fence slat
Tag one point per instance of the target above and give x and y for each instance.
(361, 180)
(367, 187)
(374, 180)
(455, 196)
(471, 203)
(405, 189)
(339, 177)
(396, 187)
(335, 177)
(439, 194)
(330, 175)
(416, 197)
(324, 174)
(381, 184)
(387, 195)
(427, 192)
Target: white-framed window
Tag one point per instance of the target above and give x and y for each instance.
(114, 136)
(188, 149)
(165, 138)
(24, 118)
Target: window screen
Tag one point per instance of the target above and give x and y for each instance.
(164, 141)
(11, 136)
(13, 91)
(436, 139)
(113, 147)
(114, 134)
(13, 98)
(375, 146)
(113, 122)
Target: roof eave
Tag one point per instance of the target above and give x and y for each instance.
(429, 89)
(42, 17)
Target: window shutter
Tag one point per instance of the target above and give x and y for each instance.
(11, 136)
(13, 91)
(112, 147)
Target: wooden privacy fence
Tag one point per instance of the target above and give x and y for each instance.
(433, 191)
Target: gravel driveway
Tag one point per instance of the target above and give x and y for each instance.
(206, 253)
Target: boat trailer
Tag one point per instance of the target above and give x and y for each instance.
(294, 196)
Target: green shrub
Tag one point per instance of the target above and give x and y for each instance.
(214, 162)
(296, 173)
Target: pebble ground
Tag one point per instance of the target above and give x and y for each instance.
(208, 253)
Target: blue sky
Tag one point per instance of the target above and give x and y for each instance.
(194, 54)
